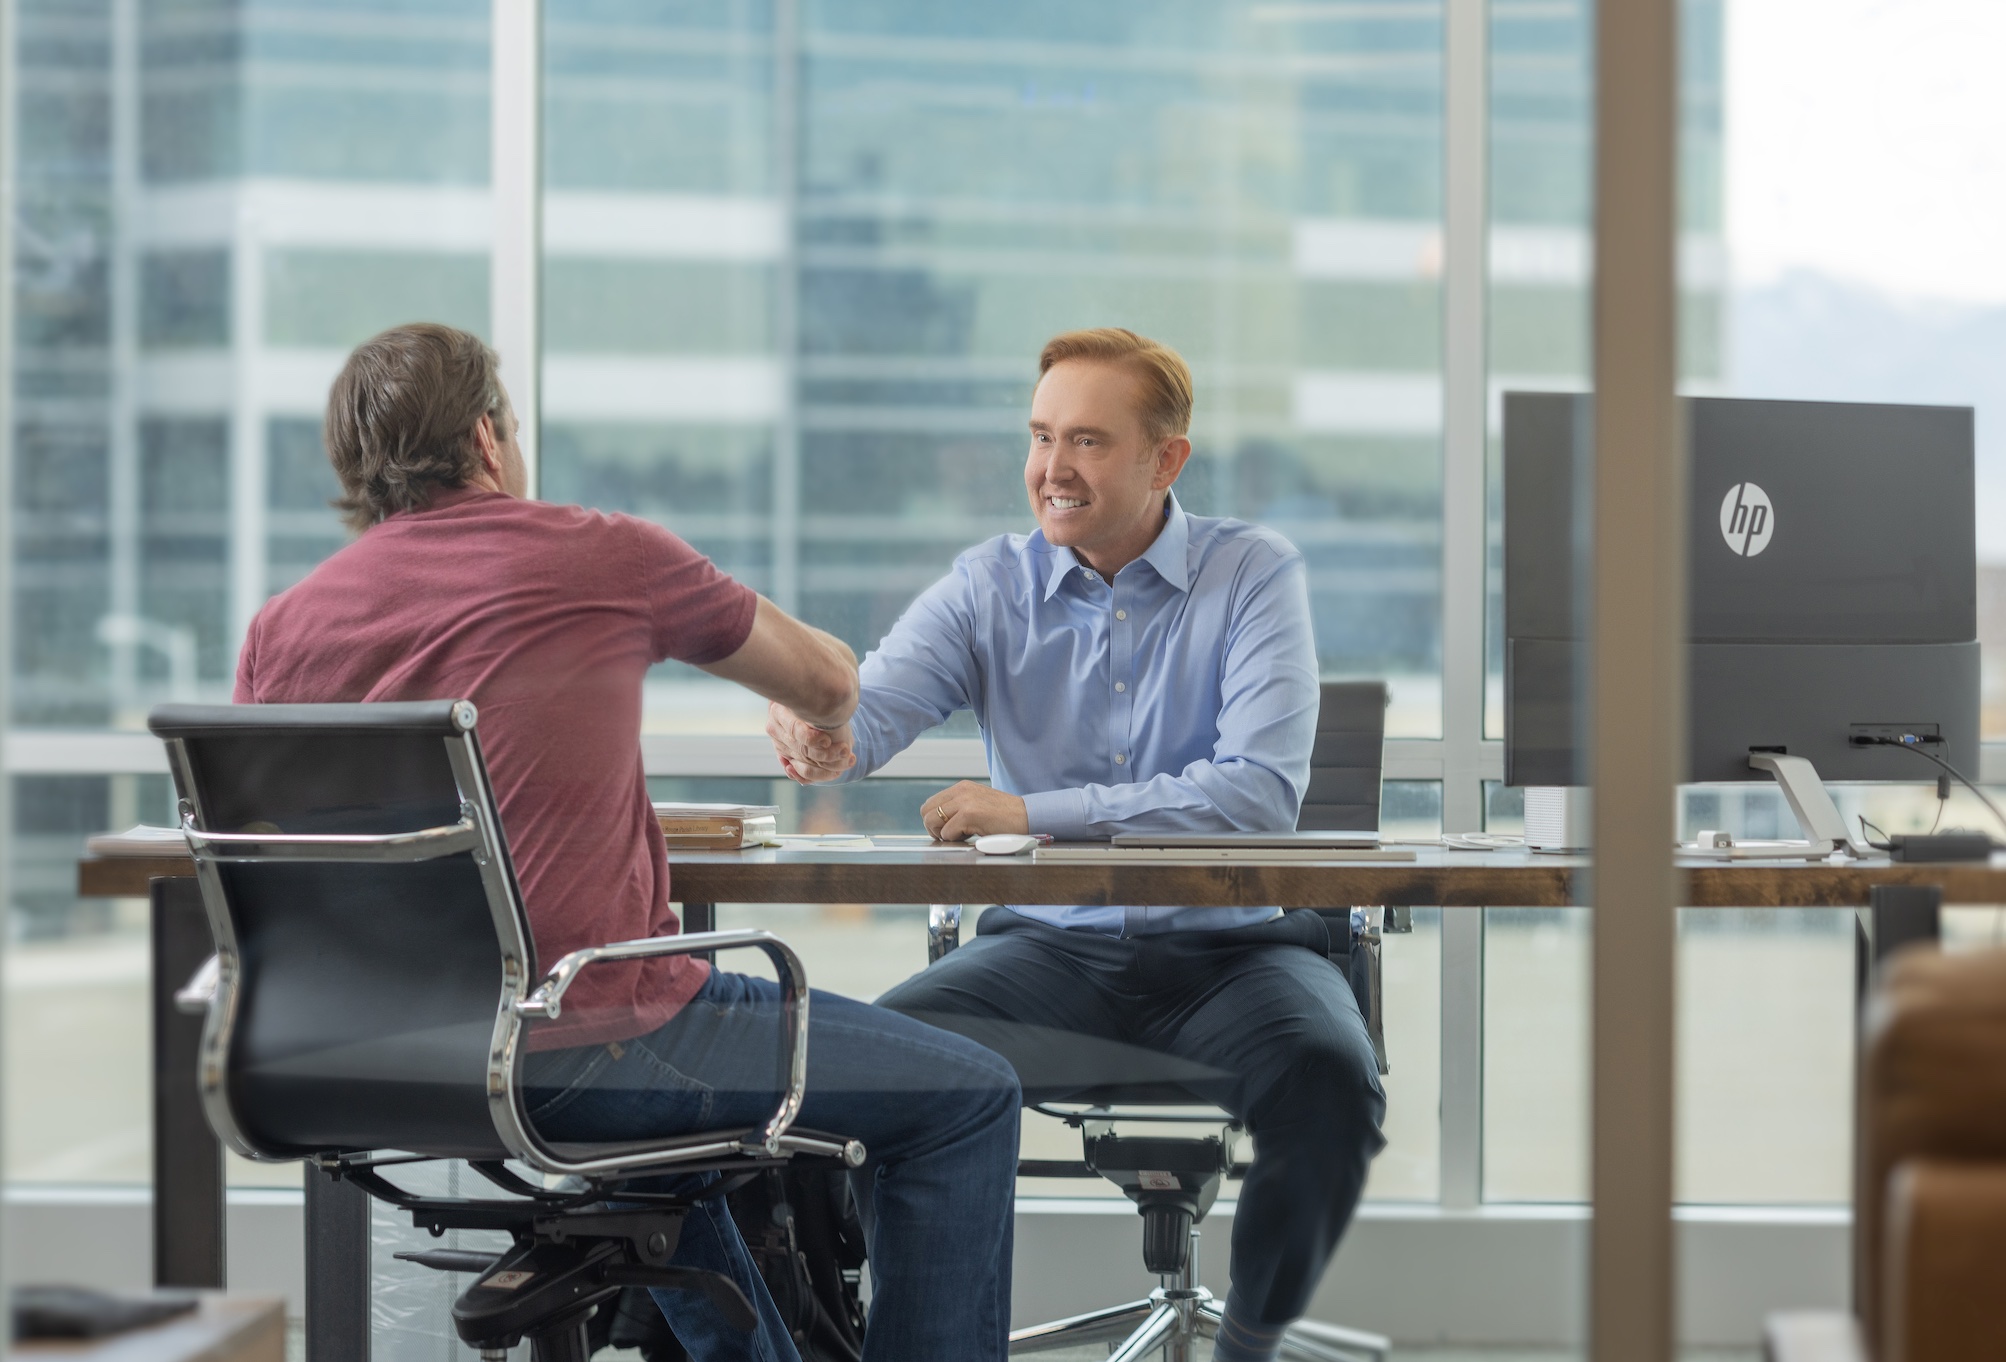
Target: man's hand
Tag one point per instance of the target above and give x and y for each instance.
(809, 755)
(970, 810)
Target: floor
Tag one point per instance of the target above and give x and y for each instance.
(1099, 1354)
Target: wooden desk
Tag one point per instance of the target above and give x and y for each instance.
(1436, 878)
(188, 1221)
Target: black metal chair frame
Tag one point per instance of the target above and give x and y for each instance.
(1174, 1180)
(575, 1246)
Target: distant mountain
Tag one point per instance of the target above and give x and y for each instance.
(1810, 335)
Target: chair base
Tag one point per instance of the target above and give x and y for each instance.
(1173, 1319)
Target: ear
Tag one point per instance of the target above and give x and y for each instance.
(1171, 456)
(488, 446)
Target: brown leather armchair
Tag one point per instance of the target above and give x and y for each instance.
(1930, 1205)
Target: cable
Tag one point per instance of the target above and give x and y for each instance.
(1916, 747)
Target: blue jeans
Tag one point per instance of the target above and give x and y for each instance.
(1256, 1019)
(936, 1112)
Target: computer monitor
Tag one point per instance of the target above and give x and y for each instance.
(1832, 582)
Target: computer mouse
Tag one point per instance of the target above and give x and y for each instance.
(1005, 843)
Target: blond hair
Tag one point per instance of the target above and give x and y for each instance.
(1166, 379)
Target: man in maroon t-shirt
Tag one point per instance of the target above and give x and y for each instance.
(548, 618)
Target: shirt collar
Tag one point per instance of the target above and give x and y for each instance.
(1168, 553)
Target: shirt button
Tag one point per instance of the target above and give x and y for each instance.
(1119, 759)
(1119, 687)
(1093, 576)
(1121, 614)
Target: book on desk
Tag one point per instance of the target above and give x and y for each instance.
(716, 827)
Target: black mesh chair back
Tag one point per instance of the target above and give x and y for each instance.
(362, 994)
(1343, 794)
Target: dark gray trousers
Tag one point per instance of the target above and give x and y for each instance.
(1254, 1019)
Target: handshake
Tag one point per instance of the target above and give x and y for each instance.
(811, 756)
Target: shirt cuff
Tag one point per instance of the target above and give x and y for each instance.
(1062, 813)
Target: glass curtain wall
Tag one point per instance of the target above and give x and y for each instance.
(1829, 250)
(217, 198)
(800, 260)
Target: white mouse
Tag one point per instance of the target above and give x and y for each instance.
(1005, 843)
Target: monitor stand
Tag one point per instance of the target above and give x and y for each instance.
(1823, 825)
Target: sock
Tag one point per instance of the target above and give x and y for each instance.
(1241, 1341)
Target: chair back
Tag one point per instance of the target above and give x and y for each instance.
(1343, 794)
(370, 938)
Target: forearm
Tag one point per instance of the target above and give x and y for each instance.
(808, 670)
(885, 723)
(1234, 795)
(840, 665)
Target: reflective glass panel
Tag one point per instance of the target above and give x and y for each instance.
(797, 278)
(216, 199)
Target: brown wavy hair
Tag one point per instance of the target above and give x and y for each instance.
(401, 418)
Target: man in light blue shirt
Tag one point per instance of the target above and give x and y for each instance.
(1136, 668)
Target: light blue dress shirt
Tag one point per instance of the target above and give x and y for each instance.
(1180, 697)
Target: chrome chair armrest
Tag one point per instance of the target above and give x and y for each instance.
(943, 929)
(547, 1002)
(193, 998)
(423, 845)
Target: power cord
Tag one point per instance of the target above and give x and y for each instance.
(1917, 744)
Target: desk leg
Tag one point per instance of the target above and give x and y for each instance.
(1897, 915)
(187, 1157)
(337, 1270)
(701, 917)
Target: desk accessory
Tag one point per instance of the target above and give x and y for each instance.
(716, 827)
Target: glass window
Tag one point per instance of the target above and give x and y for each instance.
(196, 247)
(799, 323)
(1861, 254)
(1765, 1053)
(1541, 258)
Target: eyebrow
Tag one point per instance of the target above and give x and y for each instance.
(1094, 431)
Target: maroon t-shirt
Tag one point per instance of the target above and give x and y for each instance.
(546, 617)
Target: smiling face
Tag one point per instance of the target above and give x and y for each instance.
(1095, 474)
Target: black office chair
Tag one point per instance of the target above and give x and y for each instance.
(1174, 1180)
(366, 1008)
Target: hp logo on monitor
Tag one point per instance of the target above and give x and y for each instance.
(1746, 519)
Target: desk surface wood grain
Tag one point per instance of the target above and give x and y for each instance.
(1436, 877)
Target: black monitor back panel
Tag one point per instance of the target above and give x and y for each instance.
(1832, 581)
